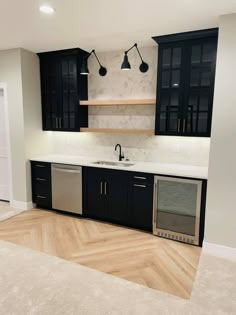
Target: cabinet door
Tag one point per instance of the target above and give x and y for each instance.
(141, 205)
(95, 194)
(170, 89)
(50, 85)
(46, 93)
(70, 104)
(199, 87)
(117, 190)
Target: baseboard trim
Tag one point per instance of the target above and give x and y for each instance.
(225, 252)
(21, 205)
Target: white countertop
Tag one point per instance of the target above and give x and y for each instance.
(181, 170)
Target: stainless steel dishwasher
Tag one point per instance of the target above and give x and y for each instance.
(67, 188)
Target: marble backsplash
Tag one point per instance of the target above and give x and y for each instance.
(122, 116)
(118, 84)
(163, 149)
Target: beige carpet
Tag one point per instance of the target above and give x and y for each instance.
(7, 212)
(35, 283)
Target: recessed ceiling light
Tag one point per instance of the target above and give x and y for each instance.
(46, 9)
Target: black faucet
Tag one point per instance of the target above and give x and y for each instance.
(121, 155)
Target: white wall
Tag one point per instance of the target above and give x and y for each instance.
(36, 141)
(19, 69)
(118, 84)
(10, 73)
(4, 148)
(221, 199)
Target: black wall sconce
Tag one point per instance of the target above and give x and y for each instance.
(126, 65)
(84, 66)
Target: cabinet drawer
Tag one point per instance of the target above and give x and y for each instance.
(42, 193)
(141, 178)
(41, 188)
(42, 200)
(41, 170)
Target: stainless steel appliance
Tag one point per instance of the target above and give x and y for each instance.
(176, 208)
(67, 188)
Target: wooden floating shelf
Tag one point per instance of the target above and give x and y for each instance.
(118, 102)
(126, 131)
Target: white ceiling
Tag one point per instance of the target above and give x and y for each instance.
(103, 24)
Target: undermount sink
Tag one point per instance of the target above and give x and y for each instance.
(113, 163)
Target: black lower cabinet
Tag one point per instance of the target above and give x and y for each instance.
(41, 184)
(141, 205)
(119, 197)
(95, 193)
(105, 194)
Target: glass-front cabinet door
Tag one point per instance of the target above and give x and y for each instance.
(49, 85)
(70, 119)
(199, 87)
(170, 85)
(177, 205)
(185, 83)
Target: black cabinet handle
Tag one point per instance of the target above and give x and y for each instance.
(101, 188)
(143, 186)
(178, 125)
(60, 122)
(184, 123)
(40, 179)
(140, 177)
(41, 197)
(39, 165)
(105, 188)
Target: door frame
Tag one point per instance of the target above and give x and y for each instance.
(3, 86)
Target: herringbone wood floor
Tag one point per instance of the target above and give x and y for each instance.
(133, 255)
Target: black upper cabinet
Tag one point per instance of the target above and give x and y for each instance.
(185, 83)
(62, 87)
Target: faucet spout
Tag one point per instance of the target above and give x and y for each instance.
(121, 155)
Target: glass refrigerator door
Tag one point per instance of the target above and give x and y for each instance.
(177, 208)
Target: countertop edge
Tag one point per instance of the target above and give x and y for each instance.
(187, 171)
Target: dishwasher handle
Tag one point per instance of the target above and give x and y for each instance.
(62, 169)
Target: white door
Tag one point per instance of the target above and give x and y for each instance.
(4, 170)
